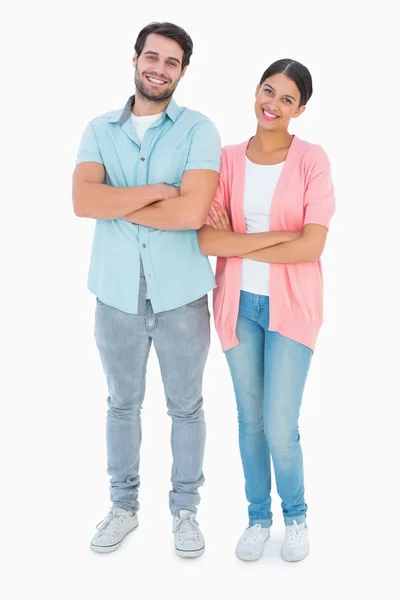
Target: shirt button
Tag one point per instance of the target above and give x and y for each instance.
(143, 158)
(142, 277)
(144, 246)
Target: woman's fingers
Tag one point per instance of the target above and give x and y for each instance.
(227, 218)
(215, 221)
(222, 215)
(224, 218)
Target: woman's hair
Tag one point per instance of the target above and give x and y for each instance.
(295, 71)
(168, 30)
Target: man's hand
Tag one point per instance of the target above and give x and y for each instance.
(186, 206)
(169, 191)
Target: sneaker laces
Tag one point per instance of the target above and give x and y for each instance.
(294, 533)
(252, 534)
(111, 523)
(187, 527)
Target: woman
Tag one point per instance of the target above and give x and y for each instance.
(267, 226)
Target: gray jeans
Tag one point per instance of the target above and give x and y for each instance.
(181, 339)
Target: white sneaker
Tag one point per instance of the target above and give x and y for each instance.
(251, 544)
(113, 529)
(296, 545)
(189, 541)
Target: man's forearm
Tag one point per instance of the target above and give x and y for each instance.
(175, 214)
(295, 251)
(106, 202)
(218, 242)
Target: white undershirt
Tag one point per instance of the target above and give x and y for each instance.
(142, 124)
(260, 184)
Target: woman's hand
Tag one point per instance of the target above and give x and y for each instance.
(220, 219)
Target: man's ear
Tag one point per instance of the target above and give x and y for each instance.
(183, 72)
(135, 58)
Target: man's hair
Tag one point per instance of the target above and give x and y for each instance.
(170, 31)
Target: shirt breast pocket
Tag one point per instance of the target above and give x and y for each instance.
(167, 167)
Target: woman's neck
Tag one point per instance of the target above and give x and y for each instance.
(268, 141)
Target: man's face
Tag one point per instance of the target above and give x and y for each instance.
(158, 68)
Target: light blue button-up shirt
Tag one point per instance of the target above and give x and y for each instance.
(176, 272)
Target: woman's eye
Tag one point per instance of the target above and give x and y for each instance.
(287, 100)
(267, 91)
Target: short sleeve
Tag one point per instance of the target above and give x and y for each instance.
(319, 198)
(205, 148)
(89, 150)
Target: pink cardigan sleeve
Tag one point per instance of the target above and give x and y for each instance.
(319, 199)
(220, 194)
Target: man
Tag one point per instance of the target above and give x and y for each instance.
(148, 174)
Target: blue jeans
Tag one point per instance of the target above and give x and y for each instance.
(269, 372)
(181, 339)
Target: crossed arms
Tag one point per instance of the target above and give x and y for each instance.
(161, 206)
(284, 247)
(156, 205)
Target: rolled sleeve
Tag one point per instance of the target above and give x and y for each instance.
(205, 148)
(89, 150)
(319, 199)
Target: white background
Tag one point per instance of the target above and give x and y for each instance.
(65, 63)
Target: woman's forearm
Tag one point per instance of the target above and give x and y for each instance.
(295, 251)
(218, 242)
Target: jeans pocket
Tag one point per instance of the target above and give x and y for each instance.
(198, 304)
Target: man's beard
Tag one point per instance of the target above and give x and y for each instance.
(163, 95)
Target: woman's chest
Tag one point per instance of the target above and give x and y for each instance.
(279, 197)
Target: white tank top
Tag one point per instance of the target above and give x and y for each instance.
(260, 184)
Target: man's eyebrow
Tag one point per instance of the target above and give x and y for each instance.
(169, 57)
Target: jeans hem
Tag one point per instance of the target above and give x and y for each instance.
(299, 519)
(125, 506)
(265, 522)
(175, 511)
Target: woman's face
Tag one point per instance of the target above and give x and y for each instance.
(277, 101)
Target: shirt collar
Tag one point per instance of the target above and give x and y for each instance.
(121, 116)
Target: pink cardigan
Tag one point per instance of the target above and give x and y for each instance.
(304, 194)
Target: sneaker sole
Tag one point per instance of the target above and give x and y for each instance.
(189, 553)
(296, 558)
(107, 549)
(248, 558)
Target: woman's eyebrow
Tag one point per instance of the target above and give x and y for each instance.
(286, 95)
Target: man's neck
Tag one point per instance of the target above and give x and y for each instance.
(145, 108)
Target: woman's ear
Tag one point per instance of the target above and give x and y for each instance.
(299, 111)
(258, 89)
